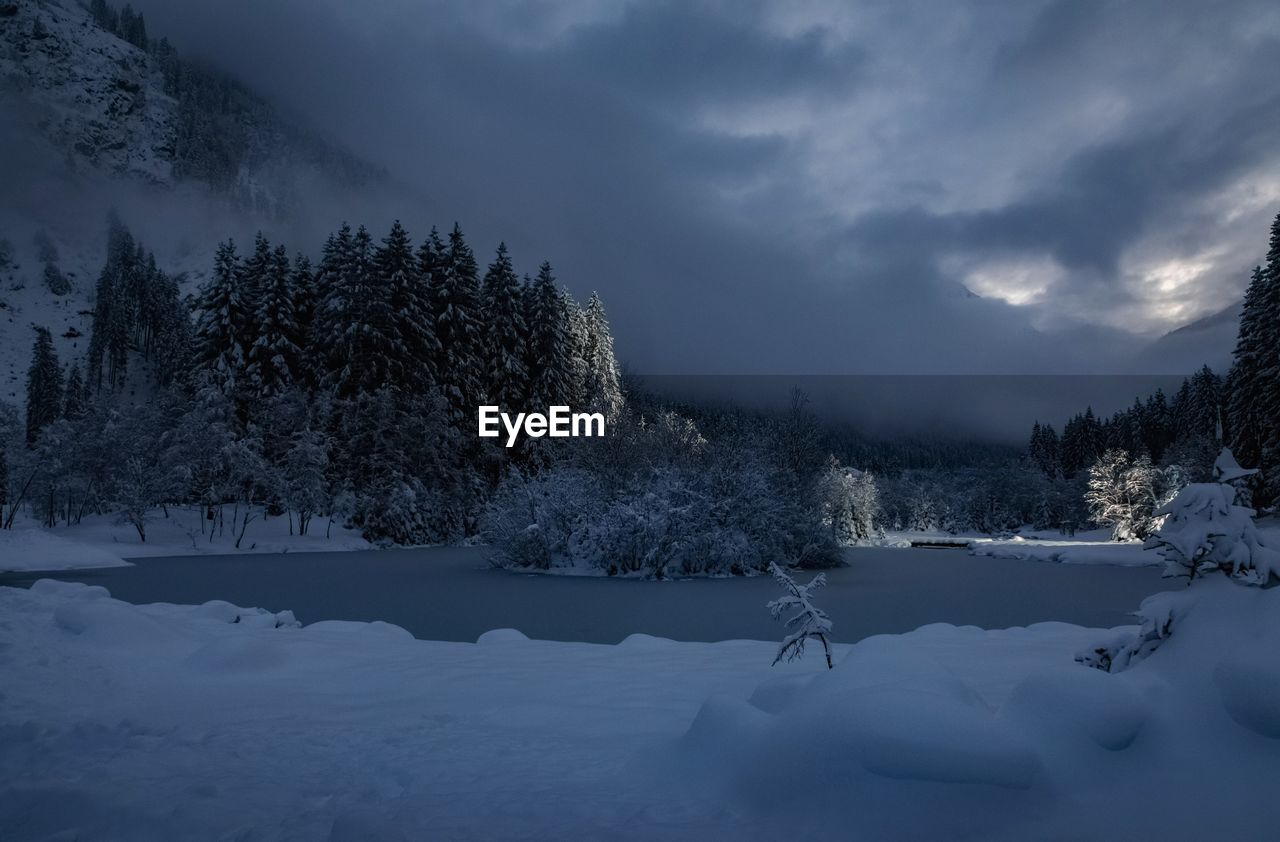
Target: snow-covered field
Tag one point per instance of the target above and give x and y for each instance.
(168, 722)
(101, 541)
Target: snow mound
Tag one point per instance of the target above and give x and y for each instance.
(238, 654)
(884, 712)
(109, 622)
(36, 549)
(1080, 703)
(71, 590)
(502, 636)
(1250, 692)
(776, 694)
(645, 641)
(375, 630)
(919, 735)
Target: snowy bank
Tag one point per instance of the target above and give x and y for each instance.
(39, 549)
(181, 532)
(1066, 551)
(213, 721)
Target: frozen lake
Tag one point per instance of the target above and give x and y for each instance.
(450, 593)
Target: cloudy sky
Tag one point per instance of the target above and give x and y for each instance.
(813, 186)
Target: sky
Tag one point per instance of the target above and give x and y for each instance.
(813, 186)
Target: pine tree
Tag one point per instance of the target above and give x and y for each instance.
(274, 358)
(115, 306)
(74, 395)
(550, 348)
(454, 293)
(305, 303)
(220, 342)
(602, 382)
(1244, 425)
(44, 386)
(364, 342)
(506, 380)
(1267, 393)
(1043, 449)
(327, 340)
(399, 273)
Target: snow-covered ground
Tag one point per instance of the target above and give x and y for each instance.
(101, 541)
(1080, 549)
(1092, 547)
(212, 722)
(43, 549)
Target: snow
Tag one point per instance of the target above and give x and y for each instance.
(1080, 549)
(1046, 750)
(102, 541)
(1227, 469)
(169, 721)
(39, 549)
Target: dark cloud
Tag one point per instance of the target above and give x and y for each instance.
(809, 187)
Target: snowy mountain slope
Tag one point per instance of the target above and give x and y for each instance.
(112, 107)
(92, 95)
(187, 156)
(26, 302)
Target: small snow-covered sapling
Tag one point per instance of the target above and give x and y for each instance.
(809, 621)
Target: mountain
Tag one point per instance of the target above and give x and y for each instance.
(1207, 340)
(111, 100)
(97, 115)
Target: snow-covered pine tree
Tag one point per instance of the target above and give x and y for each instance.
(256, 271)
(274, 359)
(1244, 425)
(552, 371)
(73, 394)
(372, 336)
(399, 272)
(305, 301)
(327, 339)
(44, 386)
(1227, 470)
(1204, 530)
(808, 623)
(455, 306)
(1268, 386)
(220, 343)
(113, 313)
(169, 330)
(1043, 449)
(603, 380)
(506, 381)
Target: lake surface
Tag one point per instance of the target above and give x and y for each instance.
(451, 593)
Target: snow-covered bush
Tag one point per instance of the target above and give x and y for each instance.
(655, 498)
(1124, 493)
(1157, 616)
(850, 503)
(1205, 531)
(809, 621)
(1202, 530)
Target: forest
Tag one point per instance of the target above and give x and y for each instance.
(348, 389)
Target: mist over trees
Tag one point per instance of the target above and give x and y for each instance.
(226, 135)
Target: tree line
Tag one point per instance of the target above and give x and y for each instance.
(349, 387)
